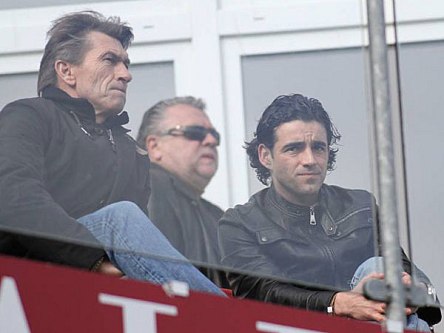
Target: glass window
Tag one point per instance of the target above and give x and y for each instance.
(336, 78)
(151, 83)
(15, 86)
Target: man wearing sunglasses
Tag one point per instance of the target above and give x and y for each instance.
(182, 145)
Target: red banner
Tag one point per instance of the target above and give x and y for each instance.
(43, 298)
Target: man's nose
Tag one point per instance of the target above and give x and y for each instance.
(123, 73)
(308, 157)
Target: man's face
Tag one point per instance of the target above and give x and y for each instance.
(195, 162)
(103, 75)
(298, 161)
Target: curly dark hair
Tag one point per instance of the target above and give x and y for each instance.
(68, 41)
(284, 109)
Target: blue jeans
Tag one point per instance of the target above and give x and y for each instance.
(139, 249)
(376, 265)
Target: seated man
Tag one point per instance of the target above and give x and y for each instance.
(182, 146)
(73, 184)
(300, 228)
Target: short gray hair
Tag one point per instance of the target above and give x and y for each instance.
(153, 117)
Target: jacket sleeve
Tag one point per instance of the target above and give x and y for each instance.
(274, 291)
(253, 276)
(431, 314)
(27, 210)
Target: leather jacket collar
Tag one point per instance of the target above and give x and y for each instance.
(178, 184)
(335, 206)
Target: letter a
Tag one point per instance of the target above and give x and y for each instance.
(12, 316)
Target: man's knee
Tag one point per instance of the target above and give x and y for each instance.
(122, 205)
(123, 211)
(124, 208)
(373, 265)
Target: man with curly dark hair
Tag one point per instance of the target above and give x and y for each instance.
(301, 229)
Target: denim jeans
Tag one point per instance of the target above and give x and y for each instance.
(376, 265)
(140, 250)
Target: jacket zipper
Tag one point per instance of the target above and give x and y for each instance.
(79, 123)
(111, 139)
(110, 133)
(312, 216)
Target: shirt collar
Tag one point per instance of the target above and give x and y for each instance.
(83, 108)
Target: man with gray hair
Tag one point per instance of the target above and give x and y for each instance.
(73, 184)
(182, 145)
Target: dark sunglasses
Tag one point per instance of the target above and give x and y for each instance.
(193, 132)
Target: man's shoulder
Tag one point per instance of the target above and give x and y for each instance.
(30, 101)
(213, 207)
(29, 115)
(247, 211)
(338, 191)
(166, 186)
(164, 195)
(33, 105)
(342, 201)
(161, 179)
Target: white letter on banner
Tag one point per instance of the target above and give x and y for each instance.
(262, 326)
(12, 316)
(138, 316)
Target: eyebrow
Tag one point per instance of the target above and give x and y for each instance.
(298, 144)
(117, 57)
(321, 143)
(303, 143)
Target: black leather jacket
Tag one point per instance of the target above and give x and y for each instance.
(56, 165)
(187, 220)
(278, 241)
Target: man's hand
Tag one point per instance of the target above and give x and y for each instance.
(353, 304)
(407, 280)
(108, 268)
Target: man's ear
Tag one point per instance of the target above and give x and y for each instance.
(153, 147)
(65, 73)
(265, 156)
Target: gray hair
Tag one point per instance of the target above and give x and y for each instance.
(68, 41)
(153, 117)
